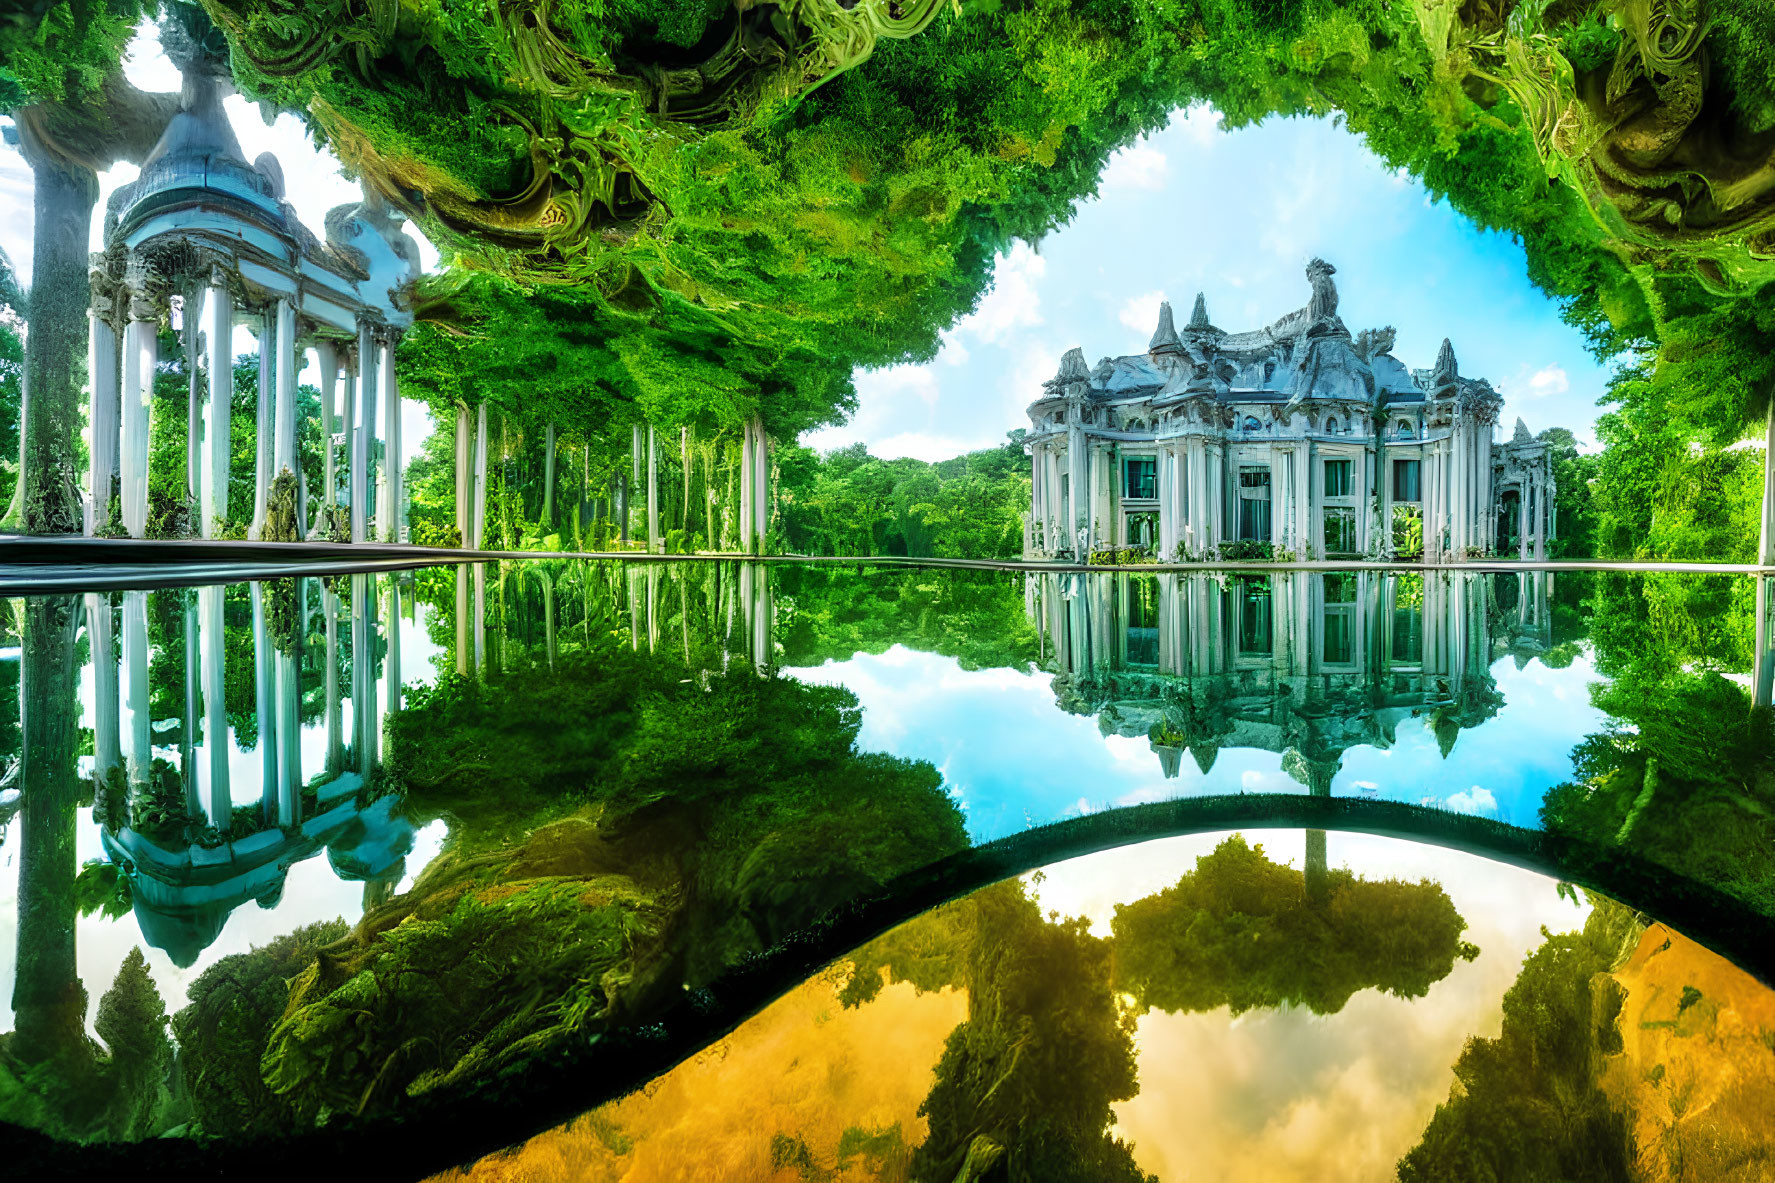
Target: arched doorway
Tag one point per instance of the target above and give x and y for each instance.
(1510, 522)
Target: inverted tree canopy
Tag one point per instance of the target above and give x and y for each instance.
(742, 197)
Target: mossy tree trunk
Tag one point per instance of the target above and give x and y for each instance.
(47, 500)
(48, 999)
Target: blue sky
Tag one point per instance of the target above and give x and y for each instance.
(1236, 215)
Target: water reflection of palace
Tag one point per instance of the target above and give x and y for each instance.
(1302, 664)
(167, 808)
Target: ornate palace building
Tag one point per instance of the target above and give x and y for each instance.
(1295, 440)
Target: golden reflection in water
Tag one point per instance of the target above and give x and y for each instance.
(803, 1071)
(1276, 1095)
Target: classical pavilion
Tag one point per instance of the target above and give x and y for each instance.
(1294, 440)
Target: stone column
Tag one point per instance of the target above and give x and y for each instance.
(391, 667)
(106, 750)
(366, 432)
(106, 400)
(220, 333)
(1522, 520)
(137, 739)
(191, 326)
(284, 443)
(265, 704)
(1077, 493)
(1303, 499)
(348, 427)
(211, 643)
(1766, 544)
(761, 486)
(478, 492)
(746, 465)
(463, 471)
(326, 355)
(548, 478)
(140, 356)
(1167, 483)
(265, 424)
(1762, 680)
(655, 543)
(1542, 514)
(1056, 504)
(393, 524)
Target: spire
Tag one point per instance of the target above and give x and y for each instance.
(1198, 318)
(1522, 435)
(1446, 371)
(1072, 366)
(1165, 336)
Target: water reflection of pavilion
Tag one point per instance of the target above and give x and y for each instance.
(1298, 663)
(192, 859)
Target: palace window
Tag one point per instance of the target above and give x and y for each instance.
(1405, 431)
(1408, 618)
(1339, 618)
(1340, 530)
(1254, 502)
(1405, 481)
(1331, 425)
(1337, 478)
(1143, 621)
(1254, 614)
(1140, 477)
(1251, 423)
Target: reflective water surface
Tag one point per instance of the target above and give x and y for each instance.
(323, 861)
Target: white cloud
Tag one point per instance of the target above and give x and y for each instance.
(1141, 313)
(1474, 800)
(1548, 380)
(1138, 166)
(1013, 302)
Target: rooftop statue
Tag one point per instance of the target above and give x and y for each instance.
(1165, 336)
(1198, 319)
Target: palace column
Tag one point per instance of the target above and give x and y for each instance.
(1456, 501)
(265, 422)
(462, 473)
(1541, 516)
(219, 424)
(1522, 519)
(211, 644)
(654, 539)
(761, 491)
(1488, 520)
(1167, 521)
(284, 443)
(393, 514)
(191, 327)
(1093, 493)
(478, 498)
(1056, 502)
(327, 355)
(265, 706)
(140, 356)
(1035, 500)
(746, 516)
(348, 426)
(107, 754)
(391, 669)
(1766, 544)
(105, 403)
(1078, 493)
(366, 431)
(1762, 680)
(1303, 497)
(137, 739)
